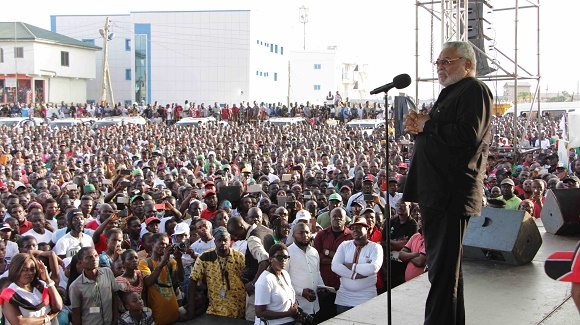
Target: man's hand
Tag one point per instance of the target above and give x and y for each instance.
(249, 288)
(309, 294)
(414, 122)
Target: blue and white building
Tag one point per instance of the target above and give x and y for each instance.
(228, 57)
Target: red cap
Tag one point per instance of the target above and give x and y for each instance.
(150, 219)
(403, 165)
(209, 183)
(208, 192)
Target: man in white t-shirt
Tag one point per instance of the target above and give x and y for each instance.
(357, 262)
(73, 241)
(205, 241)
(38, 231)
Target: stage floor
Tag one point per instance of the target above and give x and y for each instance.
(495, 293)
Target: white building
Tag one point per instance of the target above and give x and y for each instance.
(40, 66)
(201, 56)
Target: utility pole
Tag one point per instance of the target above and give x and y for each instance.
(106, 84)
(304, 19)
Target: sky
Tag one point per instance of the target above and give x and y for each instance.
(379, 33)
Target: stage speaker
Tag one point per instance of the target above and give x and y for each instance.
(561, 212)
(478, 12)
(508, 236)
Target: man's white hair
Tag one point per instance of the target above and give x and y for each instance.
(465, 50)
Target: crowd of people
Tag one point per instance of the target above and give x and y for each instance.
(135, 224)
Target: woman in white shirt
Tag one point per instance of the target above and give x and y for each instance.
(275, 297)
(32, 295)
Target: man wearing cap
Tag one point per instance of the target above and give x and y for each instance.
(367, 189)
(326, 244)
(220, 268)
(512, 202)
(211, 201)
(403, 167)
(69, 244)
(357, 262)
(571, 182)
(334, 201)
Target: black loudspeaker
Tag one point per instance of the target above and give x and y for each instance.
(477, 27)
(508, 236)
(561, 212)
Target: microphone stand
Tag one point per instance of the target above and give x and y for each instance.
(387, 212)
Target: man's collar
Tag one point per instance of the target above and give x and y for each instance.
(252, 227)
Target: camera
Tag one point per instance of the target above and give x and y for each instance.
(303, 317)
(182, 247)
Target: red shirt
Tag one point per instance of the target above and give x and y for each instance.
(206, 214)
(101, 246)
(26, 226)
(93, 225)
(325, 240)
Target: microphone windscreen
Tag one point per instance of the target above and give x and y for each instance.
(401, 81)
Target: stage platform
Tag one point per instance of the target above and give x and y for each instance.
(495, 293)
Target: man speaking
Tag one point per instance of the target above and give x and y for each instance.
(446, 174)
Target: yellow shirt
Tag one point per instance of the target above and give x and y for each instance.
(161, 299)
(208, 268)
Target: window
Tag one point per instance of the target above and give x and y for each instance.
(89, 40)
(275, 76)
(127, 44)
(257, 73)
(64, 60)
(19, 52)
(316, 66)
(127, 74)
(265, 74)
(271, 47)
(1, 55)
(258, 42)
(260, 74)
(316, 87)
(281, 50)
(275, 48)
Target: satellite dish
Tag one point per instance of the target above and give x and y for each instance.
(111, 36)
(102, 32)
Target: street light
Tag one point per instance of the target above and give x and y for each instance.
(304, 19)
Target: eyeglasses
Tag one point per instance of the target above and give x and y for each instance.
(444, 62)
(281, 258)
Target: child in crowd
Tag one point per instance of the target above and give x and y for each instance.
(136, 312)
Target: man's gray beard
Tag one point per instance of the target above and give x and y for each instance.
(451, 79)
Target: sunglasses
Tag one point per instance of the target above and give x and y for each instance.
(281, 258)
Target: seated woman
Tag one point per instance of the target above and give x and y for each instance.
(32, 297)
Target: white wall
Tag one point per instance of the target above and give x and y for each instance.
(200, 56)
(303, 76)
(67, 90)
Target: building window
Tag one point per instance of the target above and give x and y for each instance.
(127, 74)
(316, 66)
(89, 41)
(271, 47)
(260, 74)
(64, 60)
(127, 44)
(257, 73)
(258, 42)
(19, 52)
(275, 76)
(265, 74)
(1, 55)
(281, 50)
(275, 48)
(316, 87)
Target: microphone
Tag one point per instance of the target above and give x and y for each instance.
(401, 81)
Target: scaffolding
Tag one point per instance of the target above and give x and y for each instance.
(453, 18)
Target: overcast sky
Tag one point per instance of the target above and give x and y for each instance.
(380, 33)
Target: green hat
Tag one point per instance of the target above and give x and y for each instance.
(136, 197)
(200, 157)
(359, 221)
(335, 196)
(88, 188)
